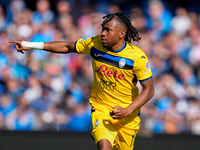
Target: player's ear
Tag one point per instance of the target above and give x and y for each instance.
(122, 34)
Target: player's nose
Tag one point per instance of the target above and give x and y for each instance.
(103, 33)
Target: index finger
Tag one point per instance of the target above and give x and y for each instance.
(18, 42)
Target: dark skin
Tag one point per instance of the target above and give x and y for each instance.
(113, 34)
(113, 38)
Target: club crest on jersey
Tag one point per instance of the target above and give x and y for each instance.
(96, 123)
(122, 63)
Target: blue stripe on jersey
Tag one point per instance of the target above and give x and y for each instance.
(145, 79)
(113, 60)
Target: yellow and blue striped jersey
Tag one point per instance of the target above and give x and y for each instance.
(115, 72)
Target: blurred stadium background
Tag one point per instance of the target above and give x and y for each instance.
(48, 93)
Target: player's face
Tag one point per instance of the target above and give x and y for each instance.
(110, 34)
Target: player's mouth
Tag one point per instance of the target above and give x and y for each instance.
(103, 40)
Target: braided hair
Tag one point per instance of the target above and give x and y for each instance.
(124, 18)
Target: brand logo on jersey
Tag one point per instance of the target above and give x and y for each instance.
(96, 123)
(122, 63)
(103, 71)
(108, 85)
(98, 55)
(143, 57)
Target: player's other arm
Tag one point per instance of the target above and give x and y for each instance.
(55, 46)
(146, 94)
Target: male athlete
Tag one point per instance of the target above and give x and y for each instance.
(118, 66)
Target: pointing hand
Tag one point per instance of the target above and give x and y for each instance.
(19, 47)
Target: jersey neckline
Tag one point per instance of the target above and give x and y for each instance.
(119, 50)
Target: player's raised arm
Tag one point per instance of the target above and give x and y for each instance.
(55, 46)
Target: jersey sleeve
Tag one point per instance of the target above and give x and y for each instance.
(142, 68)
(83, 46)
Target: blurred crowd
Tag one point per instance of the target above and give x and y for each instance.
(42, 91)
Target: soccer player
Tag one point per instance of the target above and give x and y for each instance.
(117, 65)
